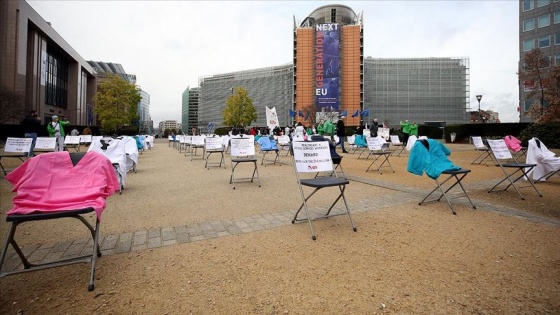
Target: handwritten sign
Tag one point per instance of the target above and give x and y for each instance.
(375, 143)
(499, 149)
(312, 156)
(72, 140)
(85, 138)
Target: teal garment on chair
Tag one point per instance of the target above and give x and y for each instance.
(430, 156)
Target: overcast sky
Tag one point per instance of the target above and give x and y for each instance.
(170, 45)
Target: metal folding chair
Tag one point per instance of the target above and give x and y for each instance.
(312, 157)
(425, 151)
(15, 148)
(502, 155)
(268, 146)
(242, 151)
(481, 147)
(214, 145)
(42, 215)
(197, 142)
(72, 142)
(548, 164)
(400, 147)
(379, 150)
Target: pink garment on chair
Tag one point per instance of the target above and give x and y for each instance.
(49, 182)
(513, 143)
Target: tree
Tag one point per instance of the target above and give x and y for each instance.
(239, 110)
(542, 81)
(116, 103)
(11, 106)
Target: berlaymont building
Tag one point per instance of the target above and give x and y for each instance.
(329, 75)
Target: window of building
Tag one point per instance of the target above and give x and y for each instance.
(557, 59)
(528, 5)
(56, 80)
(557, 39)
(542, 3)
(556, 17)
(529, 44)
(543, 20)
(544, 41)
(528, 25)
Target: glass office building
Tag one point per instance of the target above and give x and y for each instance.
(189, 110)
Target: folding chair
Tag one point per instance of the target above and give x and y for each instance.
(480, 146)
(267, 145)
(430, 156)
(400, 147)
(15, 148)
(114, 149)
(197, 142)
(379, 149)
(360, 144)
(242, 150)
(514, 145)
(72, 141)
(85, 140)
(312, 157)
(29, 177)
(131, 151)
(500, 153)
(284, 143)
(213, 145)
(548, 164)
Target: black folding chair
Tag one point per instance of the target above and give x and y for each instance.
(242, 151)
(502, 155)
(311, 157)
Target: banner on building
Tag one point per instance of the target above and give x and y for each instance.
(327, 66)
(271, 118)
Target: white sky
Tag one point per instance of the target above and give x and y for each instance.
(169, 45)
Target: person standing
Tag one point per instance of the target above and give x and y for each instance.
(341, 133)
(414, 129)
(75, 132)
(405, 129)
(56, 129)
(328, 129)
(374, 128)
(31, 124)
(321, 127)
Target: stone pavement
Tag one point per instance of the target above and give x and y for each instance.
(131, 241)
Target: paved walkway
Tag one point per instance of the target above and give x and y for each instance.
(167, 236)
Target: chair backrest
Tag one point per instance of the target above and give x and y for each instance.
(284, 139)
(242, 147)
(478, 143)
(375, 143)
(45, 144)
(513, 143)
(410, 143)
(312, 157)
(72, 140)
(395, 139)
(351, 139)
(267, 144)
(499, 149)
(198, 141)
(17, 145)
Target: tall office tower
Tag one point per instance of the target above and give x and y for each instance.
(328, 64)
(539, 27)
(189, 112)
(144, 119)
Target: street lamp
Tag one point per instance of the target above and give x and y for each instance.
(479, 97)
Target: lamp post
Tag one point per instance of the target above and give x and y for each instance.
(478, 98)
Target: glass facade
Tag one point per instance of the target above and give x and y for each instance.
(189, 110)
(271, 87)
(420, 90)
(56, 80)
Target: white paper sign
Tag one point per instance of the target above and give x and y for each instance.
(375, 143)
(72, 140)
(45, 143)
(213, 143)
(85, 138)
(18, 145)
(499, 149)
(242, 147)
(312, 156)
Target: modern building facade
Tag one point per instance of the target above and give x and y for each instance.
(418, 89)
(539, 27)
(328, 63)
(145, 124)
(189, 110)
(330, 76)
(267, 87)
(38, 64)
